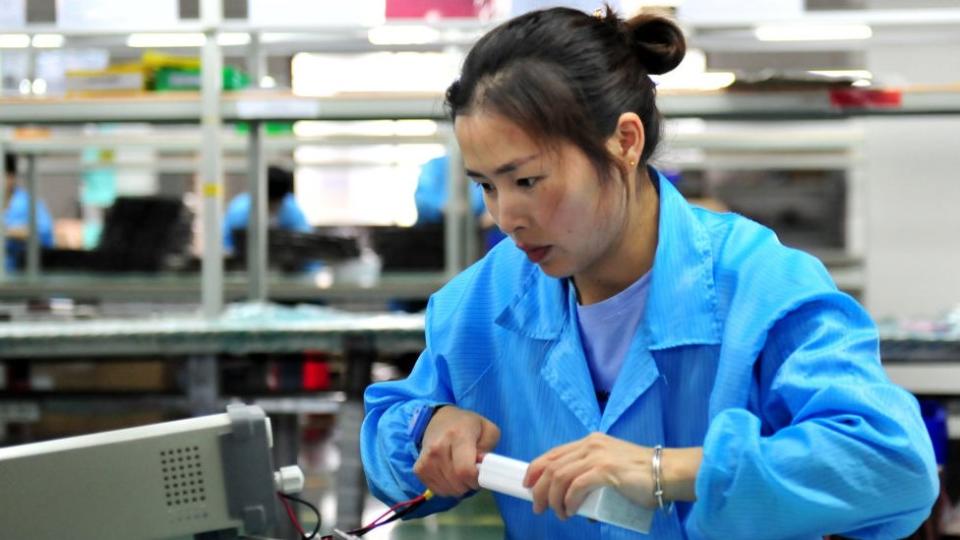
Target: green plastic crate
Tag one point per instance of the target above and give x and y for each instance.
(176, 79)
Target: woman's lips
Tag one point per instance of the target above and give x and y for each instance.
(537, 254)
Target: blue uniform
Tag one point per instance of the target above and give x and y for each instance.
(431, 194)
(746, 349)
(289, 217)
(431, 197)
(18, 216)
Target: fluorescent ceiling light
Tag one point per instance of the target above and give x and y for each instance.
(233, 38)
(633, 6)
(809, 32)
(277, 37)
(412, 128)
(48, 41)
(692, 74)
(187, 39)
(403, 35)
(847, 73)
(166, 40)
(706, 81)
(14, 41)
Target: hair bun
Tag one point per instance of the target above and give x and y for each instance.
(657, 41)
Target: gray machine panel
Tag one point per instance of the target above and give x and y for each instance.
(162, 481)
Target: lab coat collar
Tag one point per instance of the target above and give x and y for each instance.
(682, 302)
(534, 313)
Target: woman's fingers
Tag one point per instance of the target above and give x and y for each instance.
(538, 465)
(555, 474)
(448, 458)
(464, 464)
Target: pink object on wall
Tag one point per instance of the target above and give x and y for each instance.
(420, 9)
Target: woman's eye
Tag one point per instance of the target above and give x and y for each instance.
(527, 182)
(487, 187)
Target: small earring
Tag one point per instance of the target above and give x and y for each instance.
(633, 163)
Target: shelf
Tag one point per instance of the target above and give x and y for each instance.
(23, 406)
(255, 105)
(939, 379)
(811, 104)
(186, 287)
(185, 107)
(189, 142)
(756, 161)
(874, 17)
(29, 409)
(196, 336)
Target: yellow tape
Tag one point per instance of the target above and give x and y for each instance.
(212, 189)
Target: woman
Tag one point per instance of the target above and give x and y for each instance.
(623, 326)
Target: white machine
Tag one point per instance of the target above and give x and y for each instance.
(505, 475)
(204, 477)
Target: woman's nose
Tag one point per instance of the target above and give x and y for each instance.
(510, 213)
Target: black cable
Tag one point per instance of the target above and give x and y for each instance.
(316, 511)
(396, 515)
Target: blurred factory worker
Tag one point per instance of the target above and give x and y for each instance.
(17, 216)
(282, 208)
(622, 326)
(431, 199)
(431, 194)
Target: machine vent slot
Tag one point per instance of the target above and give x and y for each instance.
(183, 477)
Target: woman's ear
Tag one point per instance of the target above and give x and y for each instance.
(628, 139)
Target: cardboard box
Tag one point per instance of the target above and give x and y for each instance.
(102, 376)
(62, 424)
(123, 79)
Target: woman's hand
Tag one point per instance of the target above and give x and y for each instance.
(563, 477)
(454, 441)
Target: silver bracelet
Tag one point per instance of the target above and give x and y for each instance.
(657, 473)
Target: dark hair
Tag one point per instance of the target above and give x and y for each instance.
(9, 163)
(279, 183)
(561, 74)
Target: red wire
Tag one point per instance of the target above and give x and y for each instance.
(374, 524)
(293, 517)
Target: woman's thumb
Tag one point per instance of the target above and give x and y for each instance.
(489, 436)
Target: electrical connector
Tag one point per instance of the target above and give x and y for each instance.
(606, 504)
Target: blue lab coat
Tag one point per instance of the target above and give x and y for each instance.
(18, 216)
(431, 197)
(431, 194)
(746, 349)
(289, 217)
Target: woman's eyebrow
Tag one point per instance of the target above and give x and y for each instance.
(506, 167)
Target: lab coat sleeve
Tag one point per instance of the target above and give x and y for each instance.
(431, 193)
(836, 449)
(387, 448)
(294, 218)
(234, 218)
(18, 216)
(44, 225)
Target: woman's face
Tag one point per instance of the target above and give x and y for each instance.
(549, 201)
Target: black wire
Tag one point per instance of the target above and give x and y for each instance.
(316, 511)
(400, 514)
(396, 515)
